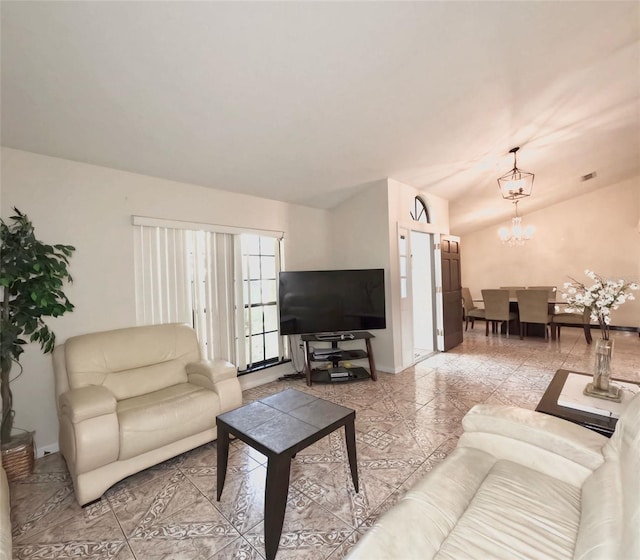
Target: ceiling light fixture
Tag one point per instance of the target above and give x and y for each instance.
(518, 234)
(515, 184)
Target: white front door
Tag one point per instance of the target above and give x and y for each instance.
(422, 283)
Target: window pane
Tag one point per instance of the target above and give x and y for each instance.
(270, 318)
(268, 291)
(254, 267)
(256, 291)
(268, 245)
(245, 291)
(247, 324)
(403, 246)
(403, 267)
(257, 348)
(403, 287)
(256, 320)
(271, 345)
(268, 267)
(250, 244)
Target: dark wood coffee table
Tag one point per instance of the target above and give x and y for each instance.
(280, 426)
(549, 405)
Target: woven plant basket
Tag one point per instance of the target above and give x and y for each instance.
(17, 456)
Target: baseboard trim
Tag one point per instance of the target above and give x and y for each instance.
(615, 328)
(47, 449)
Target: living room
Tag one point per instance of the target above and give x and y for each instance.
(62, 168)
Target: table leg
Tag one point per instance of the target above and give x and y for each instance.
(223, 456)
(350, 436)
(275, 502)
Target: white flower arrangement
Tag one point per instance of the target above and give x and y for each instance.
(600, 298)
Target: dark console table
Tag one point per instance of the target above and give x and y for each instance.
(280, 426)
(335, 355)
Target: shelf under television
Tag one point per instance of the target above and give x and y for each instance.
(339, 355)
(355, 374)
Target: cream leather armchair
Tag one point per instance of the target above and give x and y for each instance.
(5, 517)
(131, 398)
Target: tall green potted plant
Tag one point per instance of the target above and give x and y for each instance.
(32, 274)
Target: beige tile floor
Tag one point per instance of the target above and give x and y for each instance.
(406, 424)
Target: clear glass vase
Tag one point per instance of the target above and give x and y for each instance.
(602, 369)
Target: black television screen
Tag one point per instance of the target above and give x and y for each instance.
(327, 301)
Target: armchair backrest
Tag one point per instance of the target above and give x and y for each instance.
(496, 304)
(129, 362)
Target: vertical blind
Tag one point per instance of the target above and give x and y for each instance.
(187, 276)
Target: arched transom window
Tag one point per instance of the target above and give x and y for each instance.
(420, 212)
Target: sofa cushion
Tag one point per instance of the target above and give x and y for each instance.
(131, 362)
(472, 506)
(441, 498)
(517, 513)
(150, 421)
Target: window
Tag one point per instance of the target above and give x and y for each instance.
(419, 212)
(259, 279)
(222, 283)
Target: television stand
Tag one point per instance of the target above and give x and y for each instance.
(335, 336)
(336, 356)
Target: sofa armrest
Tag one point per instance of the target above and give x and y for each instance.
(542, 442)
(89, 429)
(87, 402)
(219, 376)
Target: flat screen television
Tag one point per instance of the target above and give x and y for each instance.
(331, 301)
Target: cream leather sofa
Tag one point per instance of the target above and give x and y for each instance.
(521, 484)
(5, 519)
(130, 398)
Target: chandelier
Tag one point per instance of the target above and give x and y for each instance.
(518, 234)
(515, 184)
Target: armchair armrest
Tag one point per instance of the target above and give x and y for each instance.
(207, 373)
(89, 430)
(87, 402)
(219, 376)
(545, 443)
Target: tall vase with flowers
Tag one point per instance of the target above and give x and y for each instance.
(601, 298)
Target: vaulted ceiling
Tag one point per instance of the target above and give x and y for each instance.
(306, 101)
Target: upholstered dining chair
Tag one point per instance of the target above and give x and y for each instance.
(551, 289)
(512, 290)
(533, 307)
(496, 309)
(471, 310)
(583, 319)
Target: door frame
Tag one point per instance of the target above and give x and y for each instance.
(405, 228)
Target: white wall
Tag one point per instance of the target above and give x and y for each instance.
(597, 231)
(90, 207)
(364, 233)
(360, 240)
